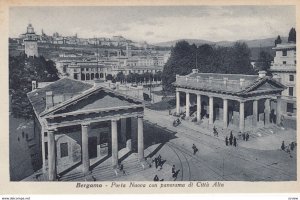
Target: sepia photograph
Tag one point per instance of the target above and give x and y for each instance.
(173, 95)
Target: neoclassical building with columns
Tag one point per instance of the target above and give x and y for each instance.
(235, 101)
(80, 123)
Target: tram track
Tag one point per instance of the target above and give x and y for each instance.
(228, 152)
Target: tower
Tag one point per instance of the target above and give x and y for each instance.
(128, 50)
(30, 42)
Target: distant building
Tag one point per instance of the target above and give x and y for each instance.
(284, 69)
(30, 42)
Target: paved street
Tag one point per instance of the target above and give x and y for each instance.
(215, 161)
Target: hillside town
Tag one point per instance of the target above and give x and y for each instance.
(112, 109)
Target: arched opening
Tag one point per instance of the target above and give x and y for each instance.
(96, 75)
(230, 114)
(92, 76)
(83, 77)
(87, 77)
(75, 76)
(101, 75)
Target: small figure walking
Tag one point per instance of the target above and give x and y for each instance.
(226, 141)
(247, 136)
(173, 170)
(230, 138)
(215, 131)
(195, 149)
(122, 169)
(156, 178)
(234, 141)
(244, 136)
(156, 162)
(282, 146)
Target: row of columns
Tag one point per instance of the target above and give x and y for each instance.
(225, 110)
(85, 148)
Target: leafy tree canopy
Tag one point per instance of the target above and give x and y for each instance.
(22, 71)
(207, 59)
(292, 35)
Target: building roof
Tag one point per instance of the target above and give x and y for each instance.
(63, 86)
(236, 84)
(282, 46)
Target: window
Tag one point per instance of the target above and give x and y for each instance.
(82, 69)
(284, 62)
(63, 150)
(284, 53)
(291, 77)
(291, 91)
(290, 108)
(295, 62)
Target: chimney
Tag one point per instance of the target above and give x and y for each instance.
(33, 85)
(262, 74)
(195, 71)
(225, 80)
(242, 82)
(49, 99)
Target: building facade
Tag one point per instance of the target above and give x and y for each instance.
(81, 123)
(30, 42)
(284, 69)
(239, 102)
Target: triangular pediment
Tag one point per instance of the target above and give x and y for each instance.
(267, 84)
(99, 99)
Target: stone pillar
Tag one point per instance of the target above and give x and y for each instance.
(114, 142)
(255, 113)
(267, 111)
(225, 113)
(187, 105)
(177, 102)
(43, 149)
(198, 107)
(211, 110)
(51, 156)
(278, 110)
(140, 138)
(85, 148)
(242, 116)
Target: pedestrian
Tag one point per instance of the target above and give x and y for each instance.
(122, 169)
(247, 136)
(156, 162)
(282, 146)
(244, 136)
(173, 170)
(195, 149)
(230, 140)
(23, 134)
(156, 178)
(159, 158)
(234, 141)
(292, 146)
(226, 141)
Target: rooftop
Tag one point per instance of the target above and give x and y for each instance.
(67, 87)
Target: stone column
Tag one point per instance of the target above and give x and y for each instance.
(225, 113)
(43, 149)
(114, 142)
(85, 148)
(187, 105)
(242, 116)
(140, 138)
(255, 111)
(267, 111)
(177, 102)
(278, 110)
(51, 156)
(198, 107)
(211, 110)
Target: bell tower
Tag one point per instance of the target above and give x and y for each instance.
(30, 42)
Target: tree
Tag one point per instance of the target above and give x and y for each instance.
(264, 61)
(207, 59)
(22, 71)
(109, 77)
(278, 40)
(292, 35)
(120, 77)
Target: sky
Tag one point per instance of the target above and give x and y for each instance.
(157, 23)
